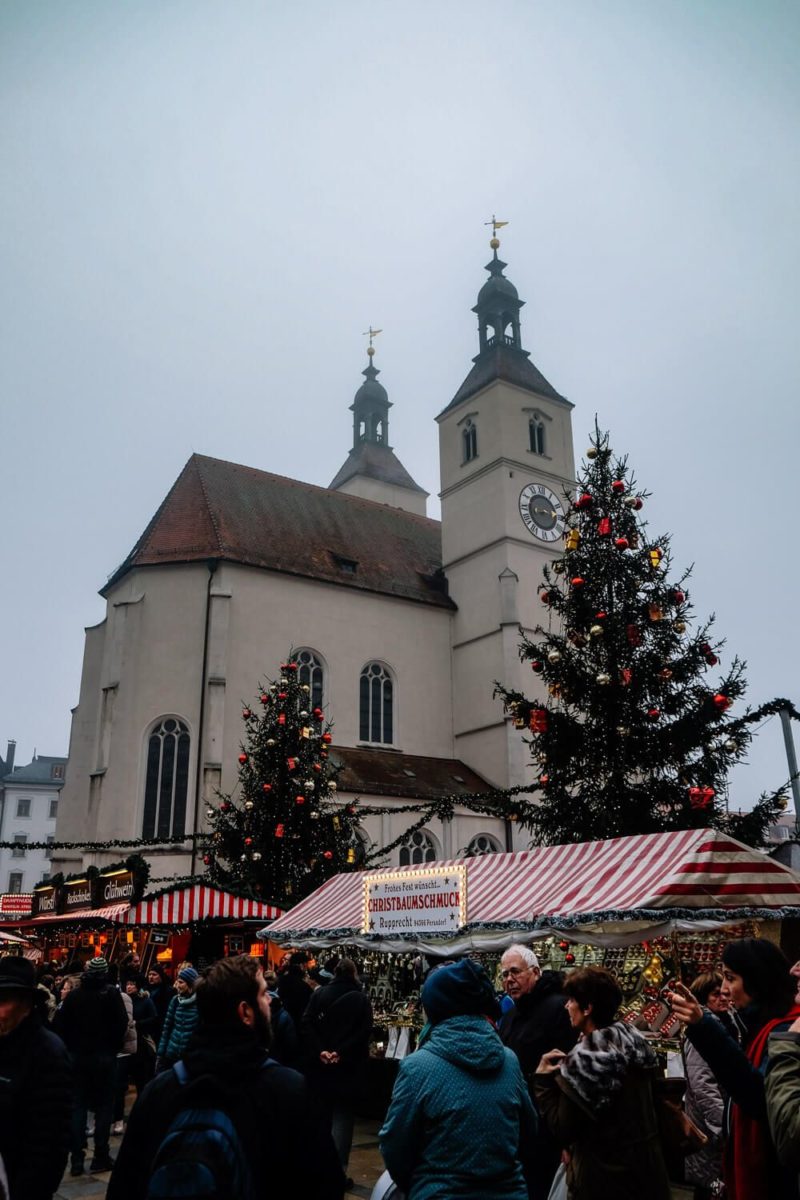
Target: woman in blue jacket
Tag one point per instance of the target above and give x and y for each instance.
(460, 1107)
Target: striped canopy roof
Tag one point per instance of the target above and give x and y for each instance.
(613, 891)
(197, 903)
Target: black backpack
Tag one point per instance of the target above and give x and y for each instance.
(201, 1156)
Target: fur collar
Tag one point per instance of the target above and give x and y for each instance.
(597, 1066)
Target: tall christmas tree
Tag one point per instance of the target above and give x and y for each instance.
(282, 831)
(634, 732)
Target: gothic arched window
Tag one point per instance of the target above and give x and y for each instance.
(166, 779)
(376, 704)
(536, 428)
(469, 436)
(311, 672)
(419, 847)
(482, 843)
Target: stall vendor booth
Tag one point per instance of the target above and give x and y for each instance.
(647, 907)
(199, 923)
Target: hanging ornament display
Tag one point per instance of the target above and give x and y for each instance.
(634, 502)
(678, 597)
(604, 527)
(249, 806)
(351, 856)
(246, 713)
(653, 714)
(242, 759)
(596, 631)
(584, 500)
(327, 739)
(318, 714)
(270, 742)
(573, 537)
(591, 453)
(209, 814)
(225, 806)
(266, 787)
(291, 763)
(558, 566)
(731, 746)
(281, 718)
(621, 543)
(537, 665)
(279, 831)
(618, 486)
(248, 841)
(554, 656)
(545, 597)
(569, 959)
(722, 702)
(626, 676)
(655, 555)
(679, 626)
(544, 780)
(604, 678)
(264, 698)
(654, 612)
(256, 856)
(327, 854)
(299, 799)
(578, 581)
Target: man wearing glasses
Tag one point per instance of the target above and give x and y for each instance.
(537, 1023)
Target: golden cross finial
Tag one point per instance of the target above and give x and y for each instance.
(371, 333)
(495, 224)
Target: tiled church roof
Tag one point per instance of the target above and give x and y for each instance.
(376, 462)
(510, 364)
(222, 510)
(387, 773)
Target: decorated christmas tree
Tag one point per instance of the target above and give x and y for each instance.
(282, 831)
(635, 729)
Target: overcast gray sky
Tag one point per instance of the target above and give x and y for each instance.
(204, 204)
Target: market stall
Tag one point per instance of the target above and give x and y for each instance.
(647, 907)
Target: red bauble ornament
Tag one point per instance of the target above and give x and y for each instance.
(264, 698)
(248, 841)
(281, 718)
(242, 759)
(544, 780)
(712, 660)
(281, 695)
(600, 616)
(246, 714)
(701, 797)
(224, 806)
(618, 486)
(625, 676)
(291, 763)
(653, 714)
(279, 831)
(678, 597)
(638, 503)
(584, 500)
(536, 665)
(316, 767)
(299, 799)
(318, 714)
(326, 738)
(291, 666)
(206, 859)
(722, 702)
(544, 597)
(266, 787)
(621, 543)
(569, 958)
(578, 581)
(539, 721)
(327, 854)
(604, 527)
(563, 945)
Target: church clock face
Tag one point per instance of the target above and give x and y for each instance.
(542, 512)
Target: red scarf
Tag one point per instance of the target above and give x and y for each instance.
(749, 1151)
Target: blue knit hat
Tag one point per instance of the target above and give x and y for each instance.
(189, 975)
(457, 990)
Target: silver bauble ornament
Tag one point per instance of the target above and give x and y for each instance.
(242, 858)
(305, 688)
(248, 805)
(209, 813)
(332, 786)
(596, 631)
(591, 452)
(603, 678)
(303, 712)
(554, 656)
(284, 683)
(256, 857)
(731, 747)
(270, 741)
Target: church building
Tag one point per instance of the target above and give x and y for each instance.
(400, 624)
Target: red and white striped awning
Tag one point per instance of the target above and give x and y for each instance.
(110, 912)
(197, 903)
(657, 880)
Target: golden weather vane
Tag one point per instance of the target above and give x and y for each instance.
(371, 333)
(495, 224)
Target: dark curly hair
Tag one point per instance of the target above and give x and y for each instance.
(598, 987)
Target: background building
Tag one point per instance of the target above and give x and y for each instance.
(28, 813)
(401, 624)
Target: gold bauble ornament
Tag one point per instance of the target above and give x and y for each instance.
(591, 452)
(679, 626)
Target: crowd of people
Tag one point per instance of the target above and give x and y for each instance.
(251, 1080)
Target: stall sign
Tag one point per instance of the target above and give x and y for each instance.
(77, 894)
(114, 887)
(159, 937)
(415, 902)
(16, 904)
(45, 900)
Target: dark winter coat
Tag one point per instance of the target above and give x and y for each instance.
(285, 1047)
(459, 1110)
(92, 1021)
(603, 1113)
(286, 1140)
(338, 1017)
(537, 1023)
(179, 1025)
(161, 997)
(743, 1082)
(295, 994)
(145, 1015)
(35, 1109)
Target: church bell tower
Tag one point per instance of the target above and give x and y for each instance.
(506, 458)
